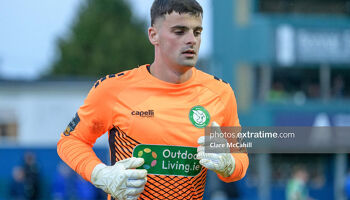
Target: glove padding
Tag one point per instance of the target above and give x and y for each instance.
(221, 163)
(121, 180)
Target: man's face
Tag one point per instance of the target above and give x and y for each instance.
(179, 38)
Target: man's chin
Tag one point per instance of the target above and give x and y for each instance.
(188, 63)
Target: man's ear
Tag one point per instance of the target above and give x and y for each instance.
(153, 35)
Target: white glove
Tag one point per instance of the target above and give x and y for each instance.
(221, 163)
(121, 180)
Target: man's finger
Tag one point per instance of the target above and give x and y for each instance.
(200, 155)
(132, 197)
(214, 124)
(136, 173)
(201, 140)
(132, 163)
(215, 127)
(134, 191)
(136, 183)
(207, 164)
(200, 149)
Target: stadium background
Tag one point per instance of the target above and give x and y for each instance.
(288, 62)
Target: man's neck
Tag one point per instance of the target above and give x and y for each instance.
(171, 74)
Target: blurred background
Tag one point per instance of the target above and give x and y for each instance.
(288, 62)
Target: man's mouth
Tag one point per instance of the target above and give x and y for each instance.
(189, 52)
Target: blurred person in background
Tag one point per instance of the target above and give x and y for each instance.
(32, 176)
(313, 90)
(277, 92)
(17, 191)
(166, 103)
(63, 186)
(338, 87)
(296, 187)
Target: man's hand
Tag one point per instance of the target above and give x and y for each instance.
(121, 180)
(221, 163)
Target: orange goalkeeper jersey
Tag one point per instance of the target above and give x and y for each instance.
(135, 108)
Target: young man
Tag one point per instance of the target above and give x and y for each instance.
(163, 108)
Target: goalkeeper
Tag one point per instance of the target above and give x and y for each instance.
(168, 102)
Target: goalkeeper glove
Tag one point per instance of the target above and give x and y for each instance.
(121, 180)
(221, 163)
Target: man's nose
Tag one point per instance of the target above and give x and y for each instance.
(191, 38)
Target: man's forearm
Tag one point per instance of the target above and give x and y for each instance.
(78, 155)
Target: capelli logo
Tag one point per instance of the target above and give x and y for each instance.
(149, 113)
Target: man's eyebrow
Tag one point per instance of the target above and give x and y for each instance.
(198, 28)
(179, 27)
(185, 27)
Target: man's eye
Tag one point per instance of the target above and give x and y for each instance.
(179, 32)
(197, 33)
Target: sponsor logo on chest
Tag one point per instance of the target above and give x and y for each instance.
(148, 113)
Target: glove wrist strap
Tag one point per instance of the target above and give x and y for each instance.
(96, 171)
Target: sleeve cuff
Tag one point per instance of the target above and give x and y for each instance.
(89, 168)
(241, 166)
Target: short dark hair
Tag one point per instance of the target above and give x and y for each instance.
(162, 7)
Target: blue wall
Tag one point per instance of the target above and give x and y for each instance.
(47, 160)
